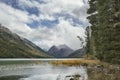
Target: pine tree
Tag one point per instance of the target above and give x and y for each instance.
(105, 26)
(92, 33)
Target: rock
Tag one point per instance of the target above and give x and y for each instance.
(74, 77)
(71, 79)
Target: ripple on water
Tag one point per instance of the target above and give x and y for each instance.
(43, 72)
(59, 73)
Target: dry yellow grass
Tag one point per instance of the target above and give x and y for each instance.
(75, 62)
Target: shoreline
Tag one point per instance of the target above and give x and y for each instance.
(37, 59)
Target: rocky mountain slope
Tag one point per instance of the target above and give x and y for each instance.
(14, 46)
(60, 51)
(77, 54)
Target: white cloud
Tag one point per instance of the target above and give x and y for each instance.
(62, 33)
(65, 32)
(14, 19)
(28, 3)
(76, 8)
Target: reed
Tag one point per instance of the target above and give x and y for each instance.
(82, 62)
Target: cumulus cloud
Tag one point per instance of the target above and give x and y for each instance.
(62, 33)
(65, 31)
(14, 19)
(75, 8)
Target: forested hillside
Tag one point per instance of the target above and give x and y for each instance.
(103, 39)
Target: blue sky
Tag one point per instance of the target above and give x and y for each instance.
(46, 22)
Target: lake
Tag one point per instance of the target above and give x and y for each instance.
(39, 69)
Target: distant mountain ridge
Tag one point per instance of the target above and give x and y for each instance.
(60, 51)
(77, 54)
(14, 46)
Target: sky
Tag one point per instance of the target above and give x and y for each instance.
(46, 22)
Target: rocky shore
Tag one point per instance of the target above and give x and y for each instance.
(101, 72)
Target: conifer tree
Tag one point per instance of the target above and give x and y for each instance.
(105, 26)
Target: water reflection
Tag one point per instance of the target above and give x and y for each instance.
(42, 71)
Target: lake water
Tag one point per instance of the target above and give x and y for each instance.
(39, 71)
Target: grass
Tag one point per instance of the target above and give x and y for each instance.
(83, 62)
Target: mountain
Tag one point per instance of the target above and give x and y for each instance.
(53, 51)
(14, 46)
(60, 51)
(77, 54)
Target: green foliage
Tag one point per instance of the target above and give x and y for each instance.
(104, 38)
